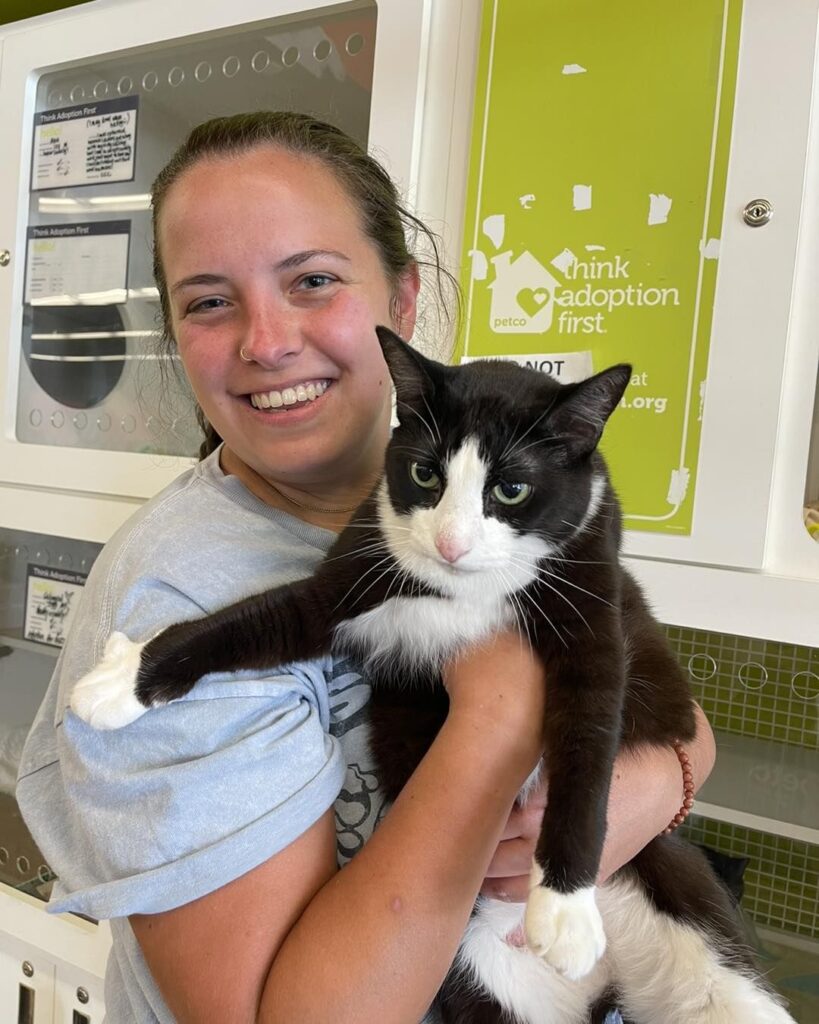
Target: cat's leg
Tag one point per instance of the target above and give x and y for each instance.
(563, 924)
(282, 625)
(675, 946)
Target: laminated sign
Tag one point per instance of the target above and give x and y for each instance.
(594, 211)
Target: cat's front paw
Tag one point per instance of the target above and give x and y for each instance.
(106, 697)
(564, 929)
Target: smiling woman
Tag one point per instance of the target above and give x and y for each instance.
(279, 246)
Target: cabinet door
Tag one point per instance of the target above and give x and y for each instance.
(745, 397)
(26, 984)
(78, 997)
(569, 269)
(92, 103)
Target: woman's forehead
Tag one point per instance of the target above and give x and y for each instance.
(263, 187)
(264, 169)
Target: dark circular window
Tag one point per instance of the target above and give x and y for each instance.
(76, 353)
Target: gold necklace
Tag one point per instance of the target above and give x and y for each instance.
(309, 508)
(301, 504)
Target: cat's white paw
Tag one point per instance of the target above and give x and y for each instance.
(106, 698)
(564, 929)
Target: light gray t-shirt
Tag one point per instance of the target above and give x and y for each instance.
(190, 796)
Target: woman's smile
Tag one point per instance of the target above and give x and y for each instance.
(292, 405)
(307, 391)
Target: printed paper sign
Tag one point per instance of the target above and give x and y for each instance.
(92, 142)
(68, 264)
(594, 210)
(567, 367)
(52, 596)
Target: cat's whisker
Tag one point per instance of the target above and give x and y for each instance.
(415, 412)
(361, 579)
(364, 550)
(521, 618)
(562, 579)
(563, 597)
(528, 596)
(375, 581)
(512, 445)
(432, 417)
(534, 444)
(421, 453)
(575, 561)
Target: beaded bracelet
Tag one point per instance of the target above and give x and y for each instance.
(688, 789)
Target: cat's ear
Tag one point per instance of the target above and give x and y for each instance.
(581, 411)
(410, 371)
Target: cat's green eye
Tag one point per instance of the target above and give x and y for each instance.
(423, 475)
(511, 494)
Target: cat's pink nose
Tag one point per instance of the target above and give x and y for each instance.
(451, 548)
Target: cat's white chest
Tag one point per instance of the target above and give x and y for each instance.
(423, 631)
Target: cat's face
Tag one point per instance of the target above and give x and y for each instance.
(490, 469)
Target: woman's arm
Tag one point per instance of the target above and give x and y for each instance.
(294, 940)
(646, 793)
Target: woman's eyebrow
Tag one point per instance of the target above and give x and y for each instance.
(186, 282)
(298, 258)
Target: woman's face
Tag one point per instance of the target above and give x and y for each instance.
(264, 252)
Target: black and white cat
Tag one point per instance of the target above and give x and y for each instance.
(496, 510)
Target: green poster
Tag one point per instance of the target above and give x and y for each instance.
(595, 200)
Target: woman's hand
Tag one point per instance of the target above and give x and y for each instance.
(508, 875)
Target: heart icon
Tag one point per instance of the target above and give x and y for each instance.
(532, 300)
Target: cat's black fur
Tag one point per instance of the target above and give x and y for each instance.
(612, 680)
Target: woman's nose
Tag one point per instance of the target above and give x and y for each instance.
(271, 339)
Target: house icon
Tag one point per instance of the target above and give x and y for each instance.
(522, 295)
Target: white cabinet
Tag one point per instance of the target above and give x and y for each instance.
(749, 565)
(36, 987)
(26, 983)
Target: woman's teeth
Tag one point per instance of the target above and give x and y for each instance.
(308, 392)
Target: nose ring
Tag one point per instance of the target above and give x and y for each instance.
(244, 356)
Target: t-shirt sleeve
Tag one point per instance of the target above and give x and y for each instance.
(190, 796)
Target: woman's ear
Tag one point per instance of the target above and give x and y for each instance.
(405, 301)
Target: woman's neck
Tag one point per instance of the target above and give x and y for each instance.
(331, 510)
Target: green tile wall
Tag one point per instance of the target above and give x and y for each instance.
(767, 690)
(753, 687)
(781, 880)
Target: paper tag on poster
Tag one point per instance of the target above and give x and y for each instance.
(52, 596)
(69, 264)
(83, 145)
(565, 367)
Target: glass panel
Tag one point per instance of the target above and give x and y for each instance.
(40, 576)
(91, 376)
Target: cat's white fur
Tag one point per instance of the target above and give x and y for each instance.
(105, 697)
(666, 972)
(564, 928)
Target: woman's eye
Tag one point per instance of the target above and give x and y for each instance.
(204, 305)
(312, 281)
(424, 476)
(511, 494)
